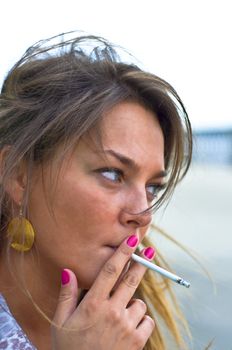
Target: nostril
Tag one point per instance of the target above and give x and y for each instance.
(135, 219)
(133, 223)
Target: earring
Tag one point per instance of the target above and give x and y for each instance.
(21, 233)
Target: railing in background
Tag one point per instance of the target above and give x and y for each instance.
(213, 146)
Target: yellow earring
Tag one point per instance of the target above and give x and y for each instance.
(21, 233)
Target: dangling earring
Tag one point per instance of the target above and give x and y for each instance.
(21, 233)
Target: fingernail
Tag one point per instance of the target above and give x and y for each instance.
(132, 241)
(65, 278)
(149, 252)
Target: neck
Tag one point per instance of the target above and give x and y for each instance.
(36, 285)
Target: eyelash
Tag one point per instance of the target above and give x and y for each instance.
(158, 188)
(119, 173)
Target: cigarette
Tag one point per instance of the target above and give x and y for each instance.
(160, 270)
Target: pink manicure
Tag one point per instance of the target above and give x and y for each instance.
(65, 278)
(149, 252)
(132, 241)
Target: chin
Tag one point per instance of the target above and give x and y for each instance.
(86, 280)
(87, 276)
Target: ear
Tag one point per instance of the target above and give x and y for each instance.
(15, 184)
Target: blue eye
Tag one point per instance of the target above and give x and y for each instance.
(112, 174)
(153, 190)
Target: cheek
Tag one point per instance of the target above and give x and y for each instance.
(85, 205)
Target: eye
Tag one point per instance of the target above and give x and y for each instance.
(153, 190)
(111, 174)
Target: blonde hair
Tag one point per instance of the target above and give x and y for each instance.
(57, 93)
(162, 304)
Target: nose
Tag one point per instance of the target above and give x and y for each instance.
(136, 220)
(134, 213)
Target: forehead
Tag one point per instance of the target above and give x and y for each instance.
(131, 117)
(133, 130)
(128, 129)
(131, 122)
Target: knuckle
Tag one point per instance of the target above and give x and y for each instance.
(127, 329)
(90, 307)
(109, 269)
(125, 251)
(65, 297)
(150, 321)
(142, 305)
(141, 337)
(114, 316)
(131, 280)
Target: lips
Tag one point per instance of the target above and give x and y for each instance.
(115, 245)
(112, 247)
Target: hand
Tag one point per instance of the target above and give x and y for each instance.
(103, 320)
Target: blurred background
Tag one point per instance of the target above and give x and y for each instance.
(188, 43)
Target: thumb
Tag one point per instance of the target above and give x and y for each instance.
(67, 301)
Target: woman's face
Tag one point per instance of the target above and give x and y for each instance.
(98, 192)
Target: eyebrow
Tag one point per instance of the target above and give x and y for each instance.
(130, 162)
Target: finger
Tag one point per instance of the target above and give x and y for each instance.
(144, 331)
(136, 311)
(67, 298)
(112, 269)
(131, 280)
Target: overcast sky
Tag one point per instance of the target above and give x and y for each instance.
(188, 43)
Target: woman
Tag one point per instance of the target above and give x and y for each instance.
(90, 146)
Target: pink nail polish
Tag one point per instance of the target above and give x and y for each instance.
(149, 252)
(65, 278)
(132, 241)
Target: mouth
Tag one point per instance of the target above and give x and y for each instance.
(112, 247)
